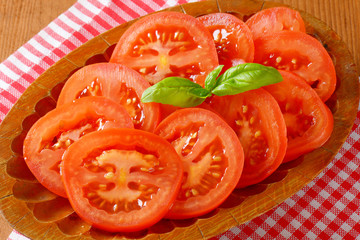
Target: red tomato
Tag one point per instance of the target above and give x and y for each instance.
(52, 134)
(308, 120)
(301, 54)
(275, 20)
(233, 38)
(167, 44)
(121, 179)
(257, 120)
(117, 82)
(212, 158)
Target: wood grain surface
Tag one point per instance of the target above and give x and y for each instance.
(20, 20)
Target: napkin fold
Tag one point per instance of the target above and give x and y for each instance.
(327, 208)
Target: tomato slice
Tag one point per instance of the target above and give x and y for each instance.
(121, 179)
(117, 82)
(212, 158)
(233, 38)
(52, 134)
(167, 44)
(301, 54)
(308, 120)
(275, 20)
(258, 122)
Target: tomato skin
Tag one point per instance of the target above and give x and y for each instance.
(78, 177)
(309, 121)
(212, 158)
(233, 38)
(167, 44)
(116, 82)
(275, 20)
(40, 152)
(258, 122)
(301, 54)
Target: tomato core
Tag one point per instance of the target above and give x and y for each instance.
(115, 166)
(159, 46)
(204, 172)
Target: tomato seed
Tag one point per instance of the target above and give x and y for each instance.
(252, 120)
(215, 166)
(142, 41)
(257, 133)
(278, 59)
(109, 175)
(91, 194)
(217, 159)
(245, 108)
(238, 122)
(215, 174)
(194, 192)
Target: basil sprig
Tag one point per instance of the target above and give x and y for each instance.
(182, 92)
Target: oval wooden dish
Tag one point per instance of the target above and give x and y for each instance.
(38, 214)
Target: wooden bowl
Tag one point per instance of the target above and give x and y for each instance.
(39, 214)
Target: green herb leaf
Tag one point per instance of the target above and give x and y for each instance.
(245, 77)
(176, 91)
(211, 78)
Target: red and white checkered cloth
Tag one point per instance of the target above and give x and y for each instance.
(327, 208)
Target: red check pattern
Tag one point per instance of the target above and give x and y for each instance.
(327, 208)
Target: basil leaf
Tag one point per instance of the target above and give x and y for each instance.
(245, 77)
(176, 91)
(210, 80)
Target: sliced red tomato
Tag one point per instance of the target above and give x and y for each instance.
(275, 20)
(257, 120)
(167, 44)
(301, 54)
(233, 38)
(121, 179)
(52, 134)
(308, 120)
(117, 82)
(212, 158)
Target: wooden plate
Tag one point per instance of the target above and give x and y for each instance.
(39, 214)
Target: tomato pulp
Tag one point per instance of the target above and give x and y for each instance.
(121, 179)
(212, 158)
(117, 82)
(308, 120)
(301, 54)
(52, 134)
(167, 44)
(258, 122)
(233, 38)
(275, 20)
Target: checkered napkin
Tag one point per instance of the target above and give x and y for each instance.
(327, 208)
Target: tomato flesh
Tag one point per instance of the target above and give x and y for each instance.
(212, 160)
(233, 39)
(275, 20)
(117, 82)
(121, 179)
(257, 120)
(51, 135)
(301, 54)
(308, 120)
(167, 44)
